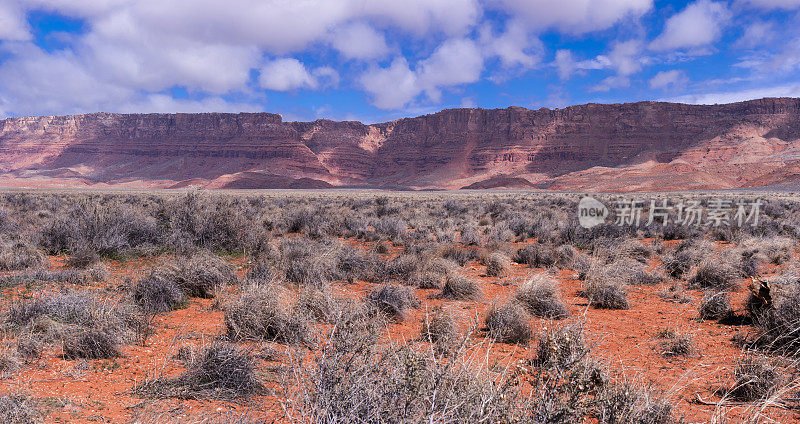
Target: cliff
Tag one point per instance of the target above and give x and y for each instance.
(635, 146)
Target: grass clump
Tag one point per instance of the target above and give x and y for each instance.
(221, 371)
(497, 265)
(459, 287)
(541, 298)
(262, 313)
(715, 307)
(158, 292)
(714, 274)
(17, 408)
(90, 344)
(393, 300)
(756, 378)
(508, 324)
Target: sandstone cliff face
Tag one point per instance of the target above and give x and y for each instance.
(633, 146)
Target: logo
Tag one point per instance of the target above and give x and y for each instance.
(591, 212)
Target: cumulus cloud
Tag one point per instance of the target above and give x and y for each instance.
(788, 90)
(669, 80)
(287, 74)
(698, 25)
(574, 16)
(12, 22)
(774, 4)
(454, 62)
(567, 65)
(359, 41)
(609, 83)
(515, 47)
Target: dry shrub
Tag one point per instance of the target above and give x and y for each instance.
(605, 288)
(497, 265)
(714, 274)
(262, 313)
(756, 378)
(675, 344)
(18, 408)
(439, 327)
(222, 371)
(630, 403)
(674, 293)
(778, 323)
(541, 298)
(83, 258)
(204, 271)
(562, 347)
(90, 344)
(716, 306)
(20, 255)
(393, 300)
(508, 323)
(459, 287)
(535, 255)
(158, 292)
(685, 256)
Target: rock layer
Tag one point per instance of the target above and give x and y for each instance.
(616, 147)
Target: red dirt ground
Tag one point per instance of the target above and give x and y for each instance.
(99, 390)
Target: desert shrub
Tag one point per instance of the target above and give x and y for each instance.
(90, 344)
(460, 255)
(606, 294)
(755, 378)
(316, 303)
(353, 265)
(158, 292)
(540, 297)
(715, 306)
(675, 344)
(634, 249)
(535, 255)
(17, 408)
(221, 371)
(674, 293)
(778, 322)
(54, 314)
(508, 324)
(82, 258)
(393, 300)
(400, 269)
(439, 327)
(202, 272)
(497, 265)
(561, 347)
(564, 256)
(362, 382)
(306, 262)
(629, 403)
(685, 256)
(262, 313)
(390, 228)
(19, 255)
(714, 274)
(459, 287)
(471, 236)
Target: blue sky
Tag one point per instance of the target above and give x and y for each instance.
(376, 60)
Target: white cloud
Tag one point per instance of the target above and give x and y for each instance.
(515, 47)
(612, 82)
(774, 4)
(625, 58)
(566, 64)
(757, 34)
(12, 22)
(391, 87)
(359, 41)
(698, 25)
(788, 90)
(454, 62)
(669, 80)
(286, 74)
(574, 16)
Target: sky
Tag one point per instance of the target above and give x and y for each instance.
(378, 60)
